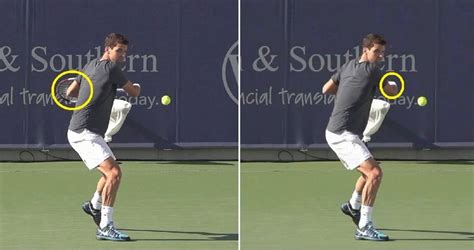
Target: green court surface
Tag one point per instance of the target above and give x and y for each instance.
(161, 205)
(295, 206)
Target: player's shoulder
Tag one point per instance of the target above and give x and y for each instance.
(373, 65)
(374, 68)
(348, 64)
(112, 66)
(90, 64)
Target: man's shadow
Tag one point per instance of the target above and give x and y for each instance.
(209, 236)
(469, 235)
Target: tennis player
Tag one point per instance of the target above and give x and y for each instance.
(355, 84)
(88, 126)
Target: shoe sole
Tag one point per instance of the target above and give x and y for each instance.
(112, 239)
(371, 239)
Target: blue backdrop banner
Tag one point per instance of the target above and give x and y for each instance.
(290, 48)
(178, 48)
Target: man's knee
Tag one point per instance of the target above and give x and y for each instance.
(111, 170)
(375, 174)
(371, 170)
(116, 173)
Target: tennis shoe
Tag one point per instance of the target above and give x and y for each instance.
(109, 232)
(95, 213)
(370, 233)
(347, 209)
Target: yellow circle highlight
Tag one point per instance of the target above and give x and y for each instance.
(392, 97)
(67, 72)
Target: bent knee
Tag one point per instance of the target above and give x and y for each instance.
(113, 173)
(116, 173)
(376, 173)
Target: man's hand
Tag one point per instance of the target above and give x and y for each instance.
(73, 89)
(132, 89)
(330, 87)
(391, 88)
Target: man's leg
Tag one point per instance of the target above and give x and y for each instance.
(97, 197)
(352, 207)
(100, 184)
(94, 206)
(356, 198)
(112, 172)
(373, 173)
(373, 178)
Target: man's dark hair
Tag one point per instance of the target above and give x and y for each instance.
(371, 39)
(113, 39)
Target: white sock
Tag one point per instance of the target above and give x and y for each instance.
(355, 200)
(96, 201)
(365, 215)
(106, 218)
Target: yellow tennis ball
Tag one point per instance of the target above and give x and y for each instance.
(422, 101)
(165, 100)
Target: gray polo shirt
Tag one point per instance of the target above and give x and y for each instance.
(356, 83)
(106, 77)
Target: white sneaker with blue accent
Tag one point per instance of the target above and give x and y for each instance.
(370, 233)
(109, 232)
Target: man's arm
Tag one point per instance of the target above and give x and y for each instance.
(132, 89)
(330, 87)
(73, 89)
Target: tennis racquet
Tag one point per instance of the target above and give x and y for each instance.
(61, 92)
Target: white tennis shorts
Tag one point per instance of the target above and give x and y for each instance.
(90, 146)
(349, 148)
